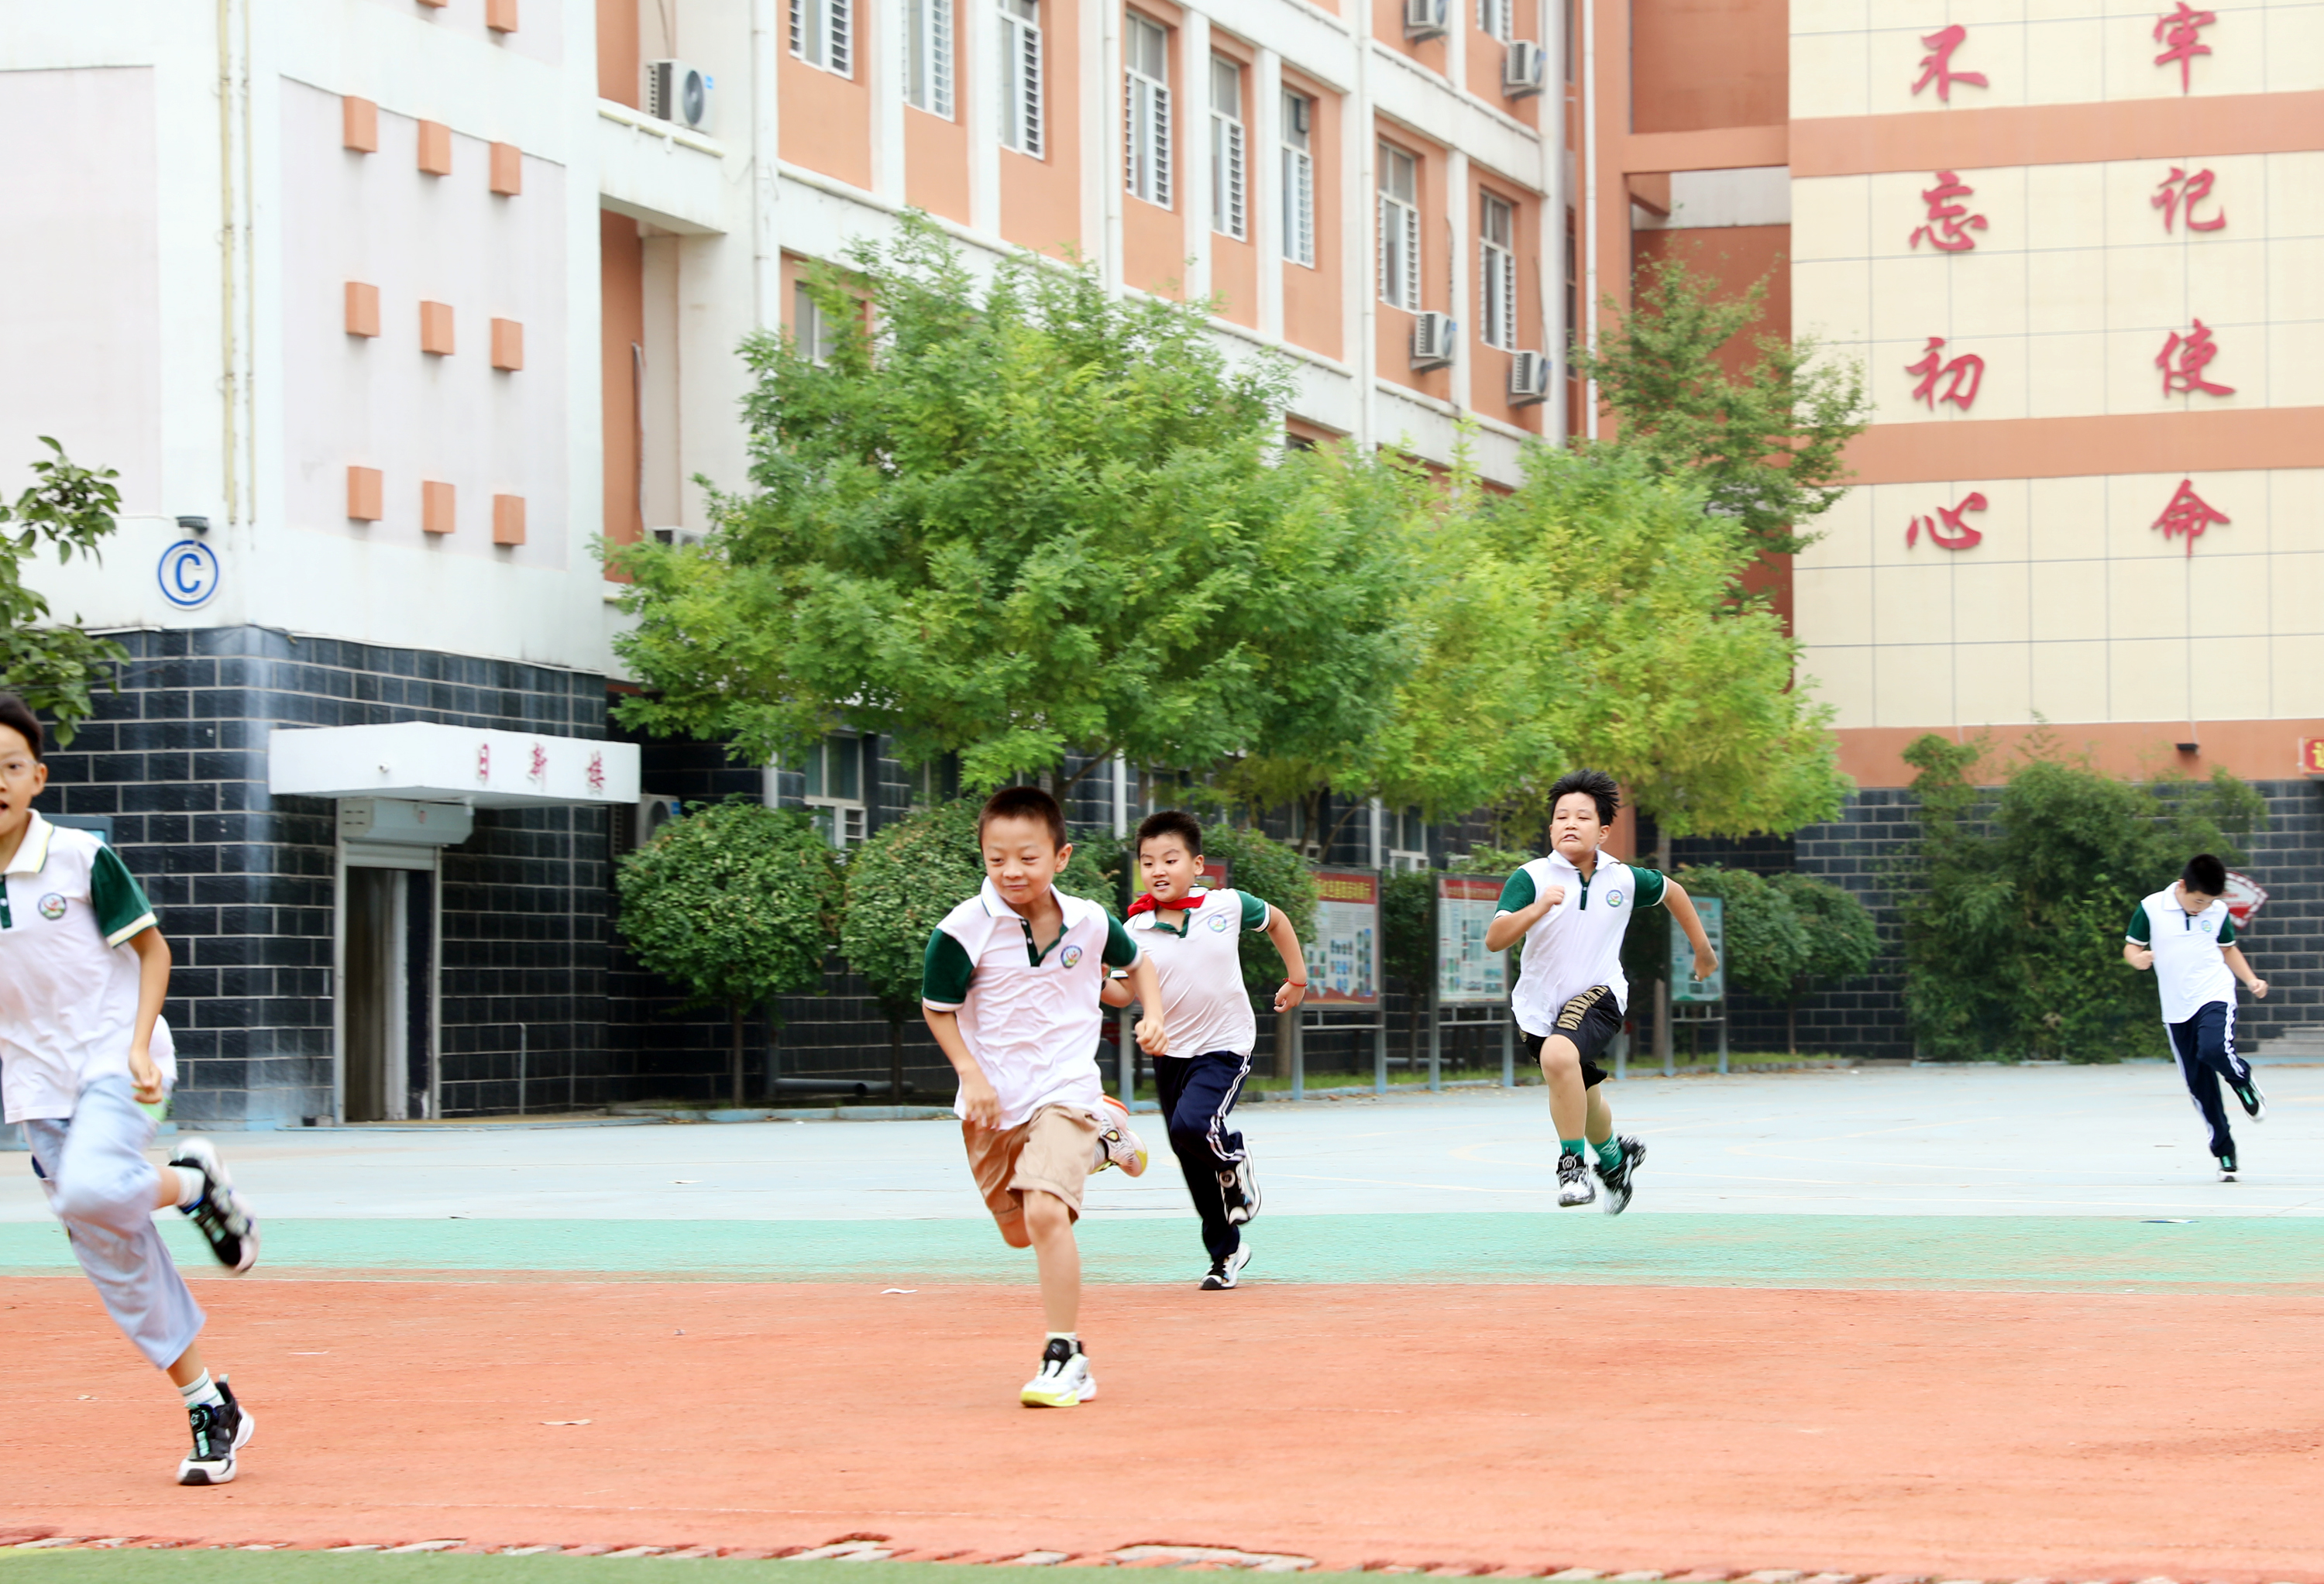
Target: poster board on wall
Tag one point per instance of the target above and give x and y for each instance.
(1344, 959)
(1685, 988)
(1466, 974)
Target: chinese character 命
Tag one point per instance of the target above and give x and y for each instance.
(1962, 376)
(1949, 222)
(2188, 514)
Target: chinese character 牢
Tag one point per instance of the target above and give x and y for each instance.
(1946, 530)
(2181, 33)
(1962, 376)
(2188, 514)
(1948, 230)
(2183, 359)
(1936, 66)
(2180, 190)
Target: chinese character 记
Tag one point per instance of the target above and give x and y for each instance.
(1947, 229)
(2179, 191)
(2180, 34)
(2183, 359)
(1936, 66)
(1962, 376)
(2189, 514)
(1946, 530)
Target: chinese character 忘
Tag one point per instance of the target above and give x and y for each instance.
(1947, 230)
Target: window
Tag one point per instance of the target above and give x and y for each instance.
(1493, 18)
(927, 56)
(816, 336)
(1146, 145)
(1399, 228)
(1228, 182)
(1573, 280)
(1299, 180)
(823, 34)
(1020, 76)
(1407, 839)
(835, 789)
(1496, 287)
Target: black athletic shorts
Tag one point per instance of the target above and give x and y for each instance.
(1590, 1021)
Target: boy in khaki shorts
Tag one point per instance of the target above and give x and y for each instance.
(1010, 990)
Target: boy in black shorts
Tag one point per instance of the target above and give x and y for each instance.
(1571, 908)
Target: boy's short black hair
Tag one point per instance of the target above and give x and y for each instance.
(1024, 803)
(2205, 874)
(1171, 822)
(1601, 788)
(16, 713)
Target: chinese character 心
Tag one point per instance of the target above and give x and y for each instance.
(1947, 531)
(1962, 375)
(1947, 231)
(2180, 190)
(2180, 35)
(1936, 66)
(2183, 359)
(2190, 514)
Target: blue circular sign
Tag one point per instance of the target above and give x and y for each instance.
(188, 574)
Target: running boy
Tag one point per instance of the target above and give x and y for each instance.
(1011, 991)
(83, 971)
(1570, 909)
(1192, 938)
(2187, 935)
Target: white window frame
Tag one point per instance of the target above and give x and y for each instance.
(1497, 270)
(815, 335)
(823, 34)
(1146, 109)
(928, 56)
(1230, 166)
(1022, 86)
(1298, 178)
(843, 821)
(1496, 19)
(1401, 826)
(1399, 228)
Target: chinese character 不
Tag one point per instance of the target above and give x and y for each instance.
(1947, 231)
(2190, 514)
(1947, 531)
(2191, 353)
(2180, 35)
(1962, 376)
(1936, 66)
(596, 773)
(2178, 190)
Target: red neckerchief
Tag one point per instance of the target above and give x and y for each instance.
(1147, 904)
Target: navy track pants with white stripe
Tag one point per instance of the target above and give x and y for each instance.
(2206, 1044)
(1197, 1094)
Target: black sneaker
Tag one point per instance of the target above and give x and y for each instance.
(1225, 1273)
(219, 1432)
(2227, 1168)
(221, 1214)
(1573, 1185)
(1624, 1176)
(1239, 1187)
(2254, 1102)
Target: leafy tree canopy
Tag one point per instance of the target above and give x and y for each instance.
(1765, 946)
(53, 668)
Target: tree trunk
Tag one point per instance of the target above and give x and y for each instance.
(896, 1059)
(1792, 1027)
(1282, 1043)
(734, 1021)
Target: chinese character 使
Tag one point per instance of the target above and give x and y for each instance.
(1962, 375)
(1948, 230)
(2179, 191)
(1936, 66)
(2189, 514)
(2183, 359)
(1946, 530)
(2181, 36)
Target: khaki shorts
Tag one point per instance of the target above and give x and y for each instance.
(1051, 1150)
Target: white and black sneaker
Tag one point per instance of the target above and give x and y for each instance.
(2227, 1168)
(222, 1215)
(1117, 1145)
(1226, 1273)
(1063, 1380)
(220, 1431)
(1239, 1188)
(1623, 1177)
(2248, 1096)
(1573, 1185)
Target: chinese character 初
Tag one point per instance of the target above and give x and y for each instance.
(2183, 359)
(1947, 230)
(1936, 66)
(1946, 530)
(2179, 191)
(2180, 35)
(2188, 514)
(1962, 376)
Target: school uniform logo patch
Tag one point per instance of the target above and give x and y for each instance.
(1613, 898)
(1221, 923)
(52, 907)
(1072, 955)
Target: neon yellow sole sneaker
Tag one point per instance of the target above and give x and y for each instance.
(1122, 1147)
(1064, 1380)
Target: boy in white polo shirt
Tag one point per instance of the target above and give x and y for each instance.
(83, 973)
(2187, 935)
(1571, 909)
(1193, 938)
(1010, 990)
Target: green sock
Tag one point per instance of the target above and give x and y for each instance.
(1572, 1147)
(1609, 1154)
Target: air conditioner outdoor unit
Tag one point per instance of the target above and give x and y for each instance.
(653, 814)
(681, 538)
(1525, 70)
(676, 92)
(1427, 19)
(1433, 335)
(1530, 373)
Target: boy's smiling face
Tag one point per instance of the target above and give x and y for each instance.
(1169, 871)
(1575, 828)
(22, 777)
(1020, 859)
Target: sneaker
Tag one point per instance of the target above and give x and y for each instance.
(222, 1214)
(2254, 1102)
(1225, 1273)
(1063, 1380)
(219, 1432)
(1623, 1178)
(1574, 1184)
(1120, 1147)
(1239, 1187)
(2227, 1168)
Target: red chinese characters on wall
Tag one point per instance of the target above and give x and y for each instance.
(2188, 515)
(1946, 530)
(1962, 375)
(2180, 34)
(2183, 359)
(1949, 223)
(2179, 193)
(596, 771)
(1936, 66)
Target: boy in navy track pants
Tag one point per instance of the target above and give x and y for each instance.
(2187, 935)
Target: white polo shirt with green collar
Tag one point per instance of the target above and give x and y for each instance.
(1200, 966)
(67, 980)
(1028, 1013)
(1578, 943)
(2190, 960)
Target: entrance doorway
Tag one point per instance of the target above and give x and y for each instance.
(387, 918)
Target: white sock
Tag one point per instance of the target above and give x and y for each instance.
(191, 1186)
(201, 1391)
(1073, 1337)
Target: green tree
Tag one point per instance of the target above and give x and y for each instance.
(54, 668)
(734, 905)
(1842, 941)
(1766, 946)
(1765, 443)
